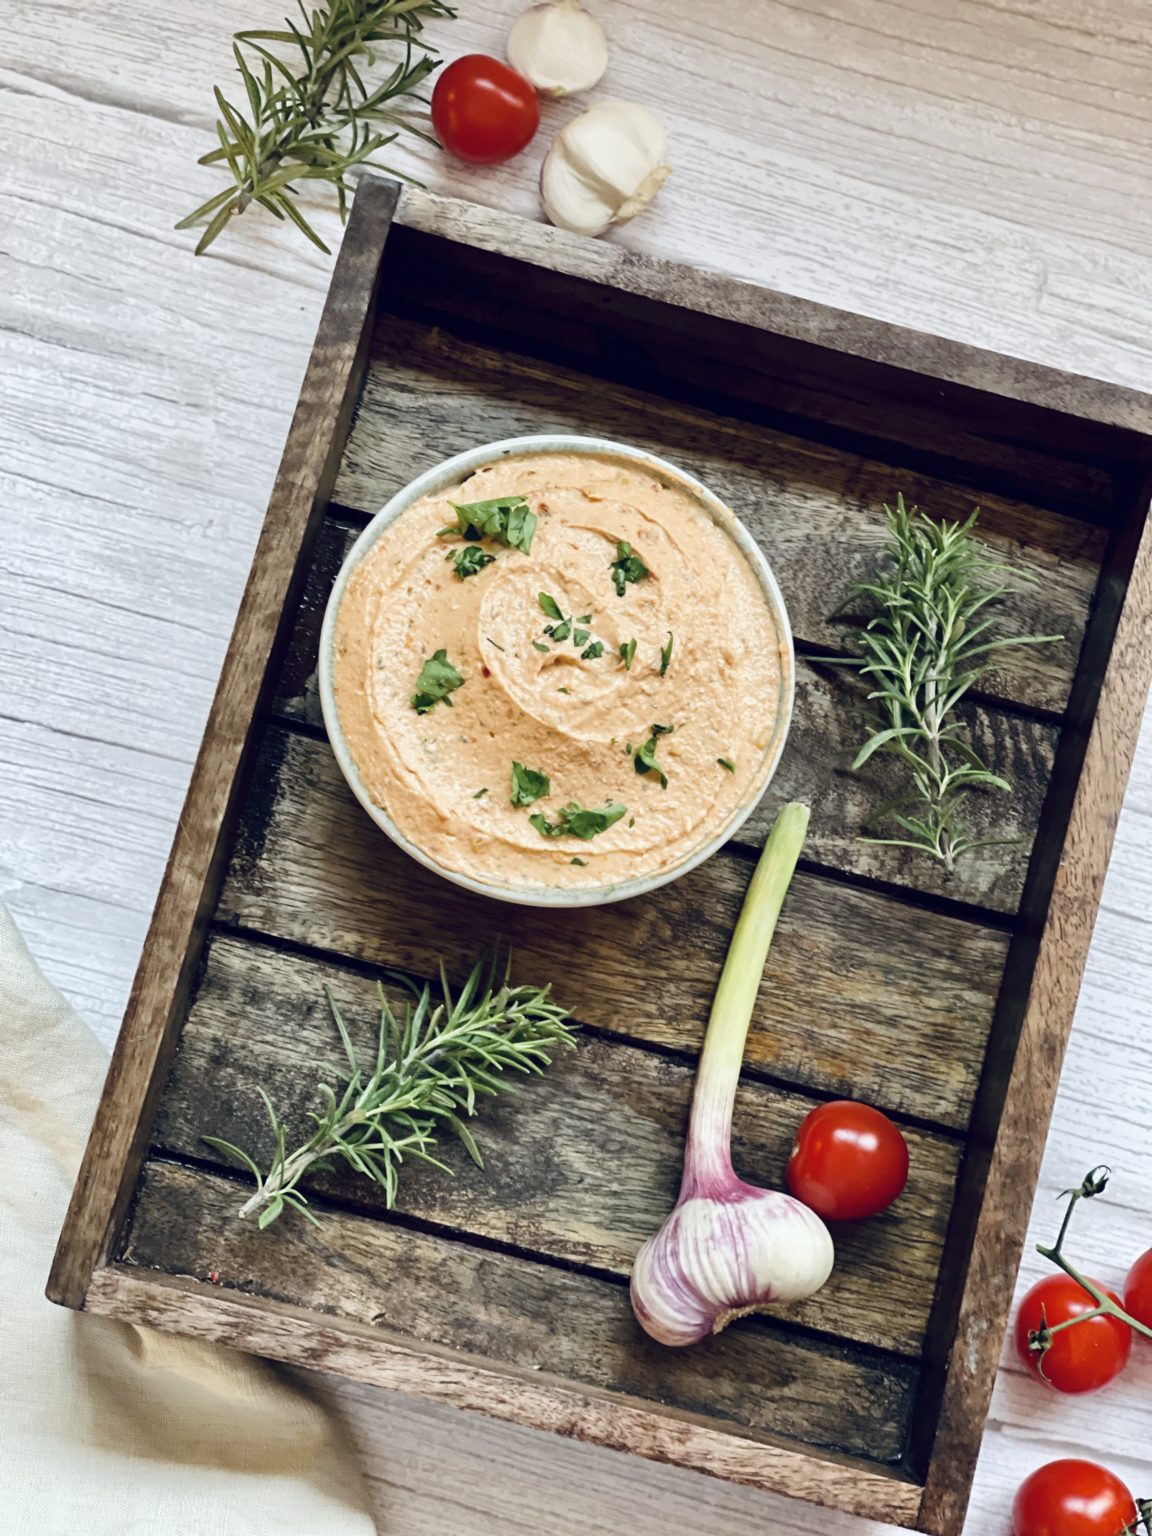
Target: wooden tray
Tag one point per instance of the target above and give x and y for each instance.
(946, 1000)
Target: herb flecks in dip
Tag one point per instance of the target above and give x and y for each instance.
(567, 710)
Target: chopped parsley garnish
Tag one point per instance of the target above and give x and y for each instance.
(585, 618)
(626, 654)
(626, 567)
(480, 793)
(666, 654)
(724, 763)
(538, 645)
(645, 760)
(438, 678)
(579, 636)
(563, 690)
(529, 785)
(583, 863)
(631, 821)
(575, 822)
(507, 519)
(470, 560)
(549, 606)
(559, 631)
(591, 652)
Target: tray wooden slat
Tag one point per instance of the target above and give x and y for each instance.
(582, 1165)
(514, 1312)
(897, 1001)
(815, 768)
(815, 510)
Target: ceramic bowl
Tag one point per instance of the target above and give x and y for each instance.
(450, 473)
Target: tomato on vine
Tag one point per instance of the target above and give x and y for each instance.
(1082, 1357)
(1074, 1498)
(1138, 1290)
(849, 1161)
(483, 111)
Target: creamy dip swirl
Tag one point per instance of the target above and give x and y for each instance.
(573, 719)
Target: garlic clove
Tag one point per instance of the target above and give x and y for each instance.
(604, 167)
(559, 46)
(716, 1259)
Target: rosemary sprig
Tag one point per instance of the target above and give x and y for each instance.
(433, 1063)
(314, 116)
(927, 643)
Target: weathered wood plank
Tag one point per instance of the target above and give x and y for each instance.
(864, 995)
(303, 487)
(829, 723)
(816, 510)
(519, 1314)
(582, 1165)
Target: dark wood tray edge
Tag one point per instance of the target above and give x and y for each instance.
(281, 1331)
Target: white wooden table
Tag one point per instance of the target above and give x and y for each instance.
(979, 168)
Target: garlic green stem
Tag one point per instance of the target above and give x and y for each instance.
(708, 1155)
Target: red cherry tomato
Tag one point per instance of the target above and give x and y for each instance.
(849, 1161)
(483, 110)
(1072, 1498)
(1138, 1290)
(1080, 1359)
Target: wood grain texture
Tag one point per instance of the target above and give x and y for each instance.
(897, 1001)
(1031, 1087)
(580, 1166)
(119, 1135)
(829, 721)
(977, 170)
(509, 1312)
(367, 1352)
(815, 509)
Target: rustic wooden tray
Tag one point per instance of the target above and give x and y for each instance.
(946, 1000)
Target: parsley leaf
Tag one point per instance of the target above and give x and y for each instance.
(561, 631)
(471, 560)
(645, 760)
(583, 863)
(438, 678)
(592, 651)
(626, 654)
(507, 519)
(666, 654)
(626, 567)
(480, 793)
(549, 606)
(528, 784)
(579, 636)
(724, 763)
(538, 645)
(575, 822)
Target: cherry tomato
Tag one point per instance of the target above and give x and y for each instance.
(1138, 1290)
(483, 110)
(1072, 1498)
(849, 1161)
(1080, 1359)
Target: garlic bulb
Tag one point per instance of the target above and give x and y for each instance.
(719, 1257)
(729, 1248)
(559, 47)
(604, 167)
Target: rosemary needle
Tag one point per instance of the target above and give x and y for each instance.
(313, 116)
(433, 1062)
(927, 643)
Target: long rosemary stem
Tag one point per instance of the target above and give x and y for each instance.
(708, 1155)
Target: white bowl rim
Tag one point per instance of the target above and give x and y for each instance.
(445, 473)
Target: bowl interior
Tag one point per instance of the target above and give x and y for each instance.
(448, 473)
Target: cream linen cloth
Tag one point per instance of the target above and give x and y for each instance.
(108, 1429)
